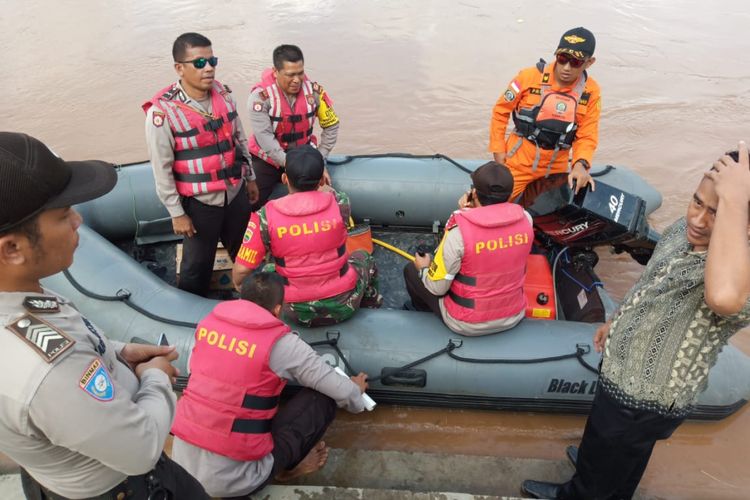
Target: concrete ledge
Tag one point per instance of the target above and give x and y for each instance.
(328, 493)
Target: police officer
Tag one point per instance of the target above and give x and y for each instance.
(305, 233)
(475, 282)
(84, 416)
(198, 152)
(283, 107)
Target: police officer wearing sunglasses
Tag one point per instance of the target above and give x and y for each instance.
(84, 416)
(201, 164)
(555, 110)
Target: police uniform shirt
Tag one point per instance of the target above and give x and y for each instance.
(258, 105)
(161, 144)
(80, 422)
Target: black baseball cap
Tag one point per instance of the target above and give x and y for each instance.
(578, 42)
(493, 180)
(34, 179)
(304, 166)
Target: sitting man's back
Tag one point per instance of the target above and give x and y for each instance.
(305, 233)
(475, 282)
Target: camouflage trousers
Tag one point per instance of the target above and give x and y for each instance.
(333, 310)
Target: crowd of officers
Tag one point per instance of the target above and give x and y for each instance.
(86, 417)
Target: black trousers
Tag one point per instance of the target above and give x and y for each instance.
(225, 223)
(167, 481)
(615, 450)
(296, 428)
(421, 297)
(266, 178)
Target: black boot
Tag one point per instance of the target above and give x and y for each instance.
(540, 489)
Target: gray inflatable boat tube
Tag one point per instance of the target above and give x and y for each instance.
(537, 366)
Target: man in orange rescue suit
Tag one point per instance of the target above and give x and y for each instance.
(475, 283)
(305, 234)
(229, 430)
(555, 110)
(283, 107)
(201, 165)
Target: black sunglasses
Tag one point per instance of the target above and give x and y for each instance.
(200, 63)
(563, 59)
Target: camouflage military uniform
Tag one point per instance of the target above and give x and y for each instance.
(338, 308)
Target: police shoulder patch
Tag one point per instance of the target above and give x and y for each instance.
(157, 119)
(263, 95)
(41, 304)
(46, 340)
(96, 381)
(257, 106)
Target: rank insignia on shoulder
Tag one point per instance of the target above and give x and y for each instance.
(263, 95)
(97, 382)
(545, 78)
(41, 304)
(227, 89)
(316, 87)
(257, 106)
(157, 119)
(48, 341)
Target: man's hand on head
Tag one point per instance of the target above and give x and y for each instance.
(732, 178)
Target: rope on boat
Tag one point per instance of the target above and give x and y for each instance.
(124, 297)
(393, 249)
(437, 156)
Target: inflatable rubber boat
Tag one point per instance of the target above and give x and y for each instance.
(547, 363)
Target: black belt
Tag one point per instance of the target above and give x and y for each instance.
(194, 154)
(260, 402)
(209, 126)
(461, 301)
(233, 172)
(252, 425)
(295, 136)
(466, 280)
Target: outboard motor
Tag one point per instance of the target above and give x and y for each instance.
(607, 216)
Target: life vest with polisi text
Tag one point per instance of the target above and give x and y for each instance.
(204, 151)
(551, 124)
(291, 127)
(489, 286)
(308, 242)
(232, 394)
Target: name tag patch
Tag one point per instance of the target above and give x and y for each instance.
(48, 341)
(97, 382)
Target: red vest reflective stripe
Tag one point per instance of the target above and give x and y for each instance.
(291, 127)
(204, 144)
(308, 241)
(232, 394)
(497, 240)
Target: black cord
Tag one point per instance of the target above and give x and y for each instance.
(124, 297)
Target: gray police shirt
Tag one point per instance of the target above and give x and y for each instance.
(72, 413)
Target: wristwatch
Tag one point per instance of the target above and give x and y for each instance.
(585, 163)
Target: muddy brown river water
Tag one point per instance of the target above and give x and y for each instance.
(422, 77)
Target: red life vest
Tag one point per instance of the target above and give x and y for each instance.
(291, 127)
(497, 240)
(204, 154)
(308, 243)
(232, 394)
(551, 124)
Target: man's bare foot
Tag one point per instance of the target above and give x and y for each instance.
(314, 461)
